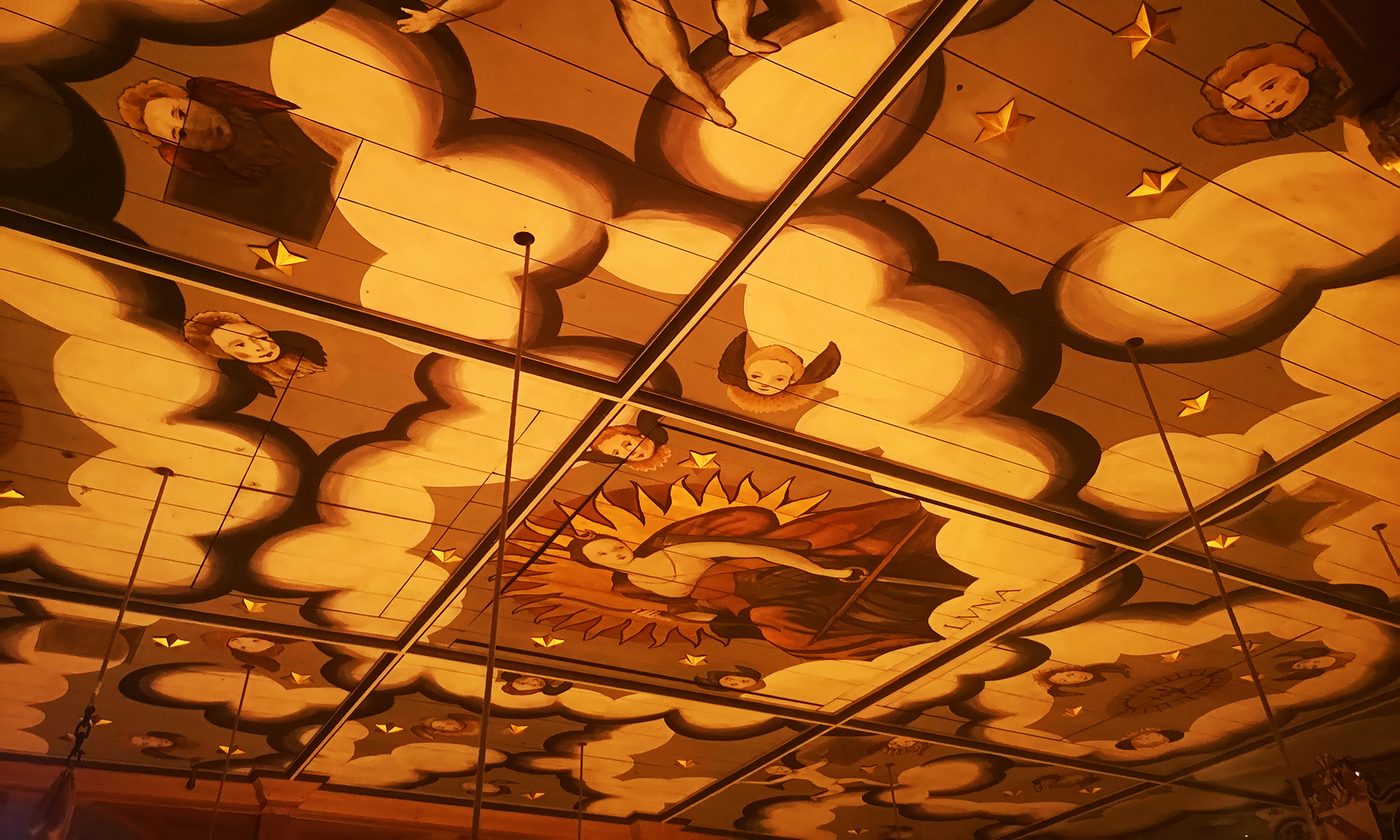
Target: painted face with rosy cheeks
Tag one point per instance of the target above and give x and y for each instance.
(250, 644)
(609, 553)
(768, 376)
(1069, 678)
(1315, 663)
(151, 742)
(1270, 92)
(188, 124)
(627, 447)
(246, 342)
(738, 682)
(1148, 740)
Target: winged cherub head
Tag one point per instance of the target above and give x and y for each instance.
(773, 377)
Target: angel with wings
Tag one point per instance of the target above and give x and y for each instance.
(273, 358)
(741, 573)
(773, 378)
(791, 770)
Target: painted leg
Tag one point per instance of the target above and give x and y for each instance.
(734, 16)
(659, 40)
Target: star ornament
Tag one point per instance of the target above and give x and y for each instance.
(276, 255)
(1222, 541)
(1001, 122)
(251, 606)
(517, 728)
(686, 762)
(1171, 657)
(227, 750)
(1149, 25)
(1195, 405)
(1156, 183)
(693, 660)
(533, 795)
(446, 556)
(170, 641)
(299, 679)
(8, 491)
(546, 641)
(702, 460)
(1075, 712)
(868, 769)
(388, 728)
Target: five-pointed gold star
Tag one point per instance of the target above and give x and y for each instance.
(1156, 183)
(447, 556)
(8, 491)
(1222, 541)
(225, 750)
(686, 762)
(1149, 25)
(1195, 405)
(546, 641)
(170, 641)
(1001, 122)
(867, 769)
(517, 728)
(102, 721)
(1074, 712)
(1171, 657)
(276, 255)
(533, 795)
(388, 728)
(702, 460)
(251, 606)
(693, 660)
(300, 679)
(1090, 790)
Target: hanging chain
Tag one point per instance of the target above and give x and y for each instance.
(525, 239)
(1132, 345)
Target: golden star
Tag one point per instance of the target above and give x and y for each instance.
(170, 641)
(533, 795)
(1223, 541)
(1090, 790)
(1149, 25)
(102, 721)
(686, 762)
(388, 728)
(517, 728)
(702, 460)
(1000, 122)
(276, 255)
(446, 556)
(236, 750)
(693, 660)
(251, 606)
(300, 679)
(1195, 405)
(867, 769)
(1074, 712)
(1171, 657)
(546, 641)
(1156, 183)
(8, 491)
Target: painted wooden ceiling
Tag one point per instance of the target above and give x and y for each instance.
(835, 506)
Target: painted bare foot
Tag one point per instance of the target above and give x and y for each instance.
(720, 115)
(742, 46)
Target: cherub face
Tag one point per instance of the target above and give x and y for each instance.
(609, 553)
(900, 742)
(1315, 663)
(738, 682)
(627, 447)
(768, 376)
(189, 124)
(1148, 740)
(527, 684)
(1270, 92)
(250, 644)
(245, 342)
(151, 742)
(447, 726)
(778, 770)
(1070, 677)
